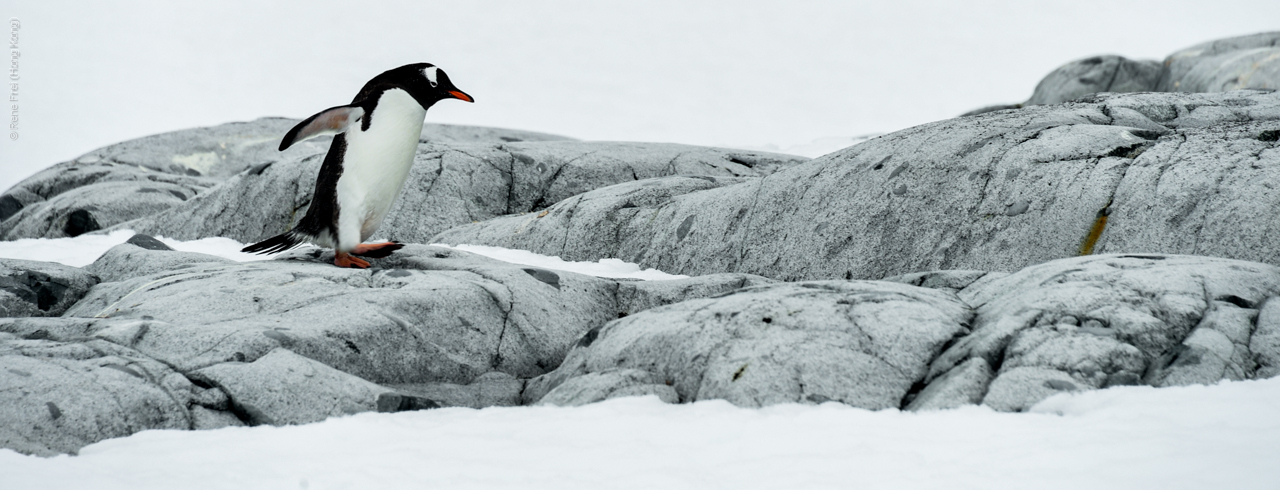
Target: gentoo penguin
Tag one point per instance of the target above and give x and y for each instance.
(377, 136)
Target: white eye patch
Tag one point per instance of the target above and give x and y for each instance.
(430, 73)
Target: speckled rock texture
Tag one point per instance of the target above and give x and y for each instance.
(142, 177)
(213, 343)
(31, 288)
(450, 184)
(1243, 62)
(1151, 172)
(1007, 341)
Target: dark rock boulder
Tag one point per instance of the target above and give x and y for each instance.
(31, 288)
(1169, 173)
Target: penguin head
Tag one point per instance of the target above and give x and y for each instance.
(424, 81)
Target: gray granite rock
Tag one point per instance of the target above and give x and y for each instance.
(56, 397)
(452, 133)
(136, 178)
(636, 296)
(610, 222)
(612, 383)
(861, 343)
(493, 389)
(1243, 62)
(32, 288)
(425, 314)
(1108, 73)
(283, 388)
(142, 177)
(965, 384)
(126, 261)
(1109, 320)
(450, 184)
(1265, 342)
(1171, 173)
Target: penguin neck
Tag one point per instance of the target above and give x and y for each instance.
(383, 151)
(394, 112)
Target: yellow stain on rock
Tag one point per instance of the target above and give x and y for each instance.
(1095, 232)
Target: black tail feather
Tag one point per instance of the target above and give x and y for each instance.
(278, 243)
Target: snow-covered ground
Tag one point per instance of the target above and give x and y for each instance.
(84, 249)
(1225, 436)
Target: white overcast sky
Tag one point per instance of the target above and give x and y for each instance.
(747, 73)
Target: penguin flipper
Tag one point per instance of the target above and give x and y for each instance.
(329, 121)
(278, 243)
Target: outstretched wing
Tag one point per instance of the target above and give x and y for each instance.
(329, 121)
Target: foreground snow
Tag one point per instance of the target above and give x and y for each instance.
(1222, 436)
(84, 249)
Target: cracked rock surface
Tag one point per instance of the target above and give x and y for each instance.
(189, 341)
(1156, 172)
(145, 176)
(450, 184)
(230, 181)
(31, 288)
(1223, 65)
(1007, 341)
(862, 343)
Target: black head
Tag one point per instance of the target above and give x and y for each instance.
(426, 83)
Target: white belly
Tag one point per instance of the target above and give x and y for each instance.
(375, 166)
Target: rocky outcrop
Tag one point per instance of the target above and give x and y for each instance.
(450, 185)
(57, 397)
(1097, 74)
(211, 343)
(1007, 341)
(1168, 173)
(29, 288)
(1244, 62)
(1096, 322)
(230, 181)
(860, 343)
(142, 177)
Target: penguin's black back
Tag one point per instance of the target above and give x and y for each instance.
(322, 214)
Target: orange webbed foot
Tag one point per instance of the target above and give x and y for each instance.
(376, 250)
(343, 259)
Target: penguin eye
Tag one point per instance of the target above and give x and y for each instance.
(430, 73)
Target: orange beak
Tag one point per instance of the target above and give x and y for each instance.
(461, 96)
